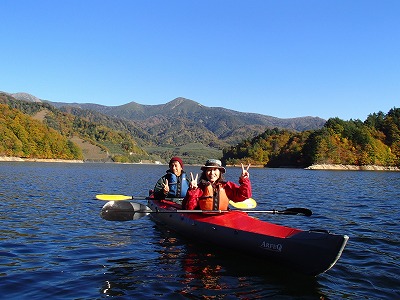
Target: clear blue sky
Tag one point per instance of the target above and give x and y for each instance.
(283, 58)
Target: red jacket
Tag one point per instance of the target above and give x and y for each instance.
(236, 193)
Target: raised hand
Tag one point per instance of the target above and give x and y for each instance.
(166, 187)
(245, 172)
(193, 181)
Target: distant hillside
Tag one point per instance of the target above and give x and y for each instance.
(374, 142)
(210, 117)
(29, 123)
(26, 97)
(183, 127)
(181, 122)
(213, 126)
(24, 136)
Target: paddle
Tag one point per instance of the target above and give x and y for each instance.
(246, 204)
(113, 197)
(125, 211)
(107, 197)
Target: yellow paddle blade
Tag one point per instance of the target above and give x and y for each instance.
(113, 197)
(246, 204)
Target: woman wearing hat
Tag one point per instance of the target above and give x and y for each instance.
(174, 184)
(212, 192)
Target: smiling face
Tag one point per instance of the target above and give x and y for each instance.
(213, 174)
(176, 168)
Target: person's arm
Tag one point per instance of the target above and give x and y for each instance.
(238, 193)
(191, 200)
(242, 192)
(159, 188)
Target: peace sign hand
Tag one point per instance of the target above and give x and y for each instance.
(193, 181)
(245, 172)
(166, 187)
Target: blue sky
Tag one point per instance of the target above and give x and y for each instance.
(283, 58)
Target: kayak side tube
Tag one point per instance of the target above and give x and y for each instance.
(309, 252)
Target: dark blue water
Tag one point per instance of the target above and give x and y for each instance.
(54, 244)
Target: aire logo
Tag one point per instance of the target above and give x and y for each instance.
(271, 246)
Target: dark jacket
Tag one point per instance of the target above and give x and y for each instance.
(178, 186)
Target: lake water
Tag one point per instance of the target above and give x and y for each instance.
(53, 243)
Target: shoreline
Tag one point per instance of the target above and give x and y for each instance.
(19, 159)
(341, 167)
(332, 167)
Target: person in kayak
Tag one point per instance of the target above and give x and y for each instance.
(212, 192)
(174, 184)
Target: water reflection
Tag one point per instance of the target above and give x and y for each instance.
(202, 272)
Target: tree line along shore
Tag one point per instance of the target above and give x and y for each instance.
(337, 167)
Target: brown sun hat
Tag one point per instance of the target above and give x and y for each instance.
(213, 163)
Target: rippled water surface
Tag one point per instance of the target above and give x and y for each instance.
(54, 244)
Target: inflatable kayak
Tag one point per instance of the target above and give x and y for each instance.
(309, 252)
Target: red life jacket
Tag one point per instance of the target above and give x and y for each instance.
(214, 198)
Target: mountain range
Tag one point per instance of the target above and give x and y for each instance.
(180, 122)
(227, 125)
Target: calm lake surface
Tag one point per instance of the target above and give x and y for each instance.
(53, 243)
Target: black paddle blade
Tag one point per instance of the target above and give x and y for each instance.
(297, 211)
(123, 211)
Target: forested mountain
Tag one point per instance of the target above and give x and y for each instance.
(39, 130)
(22, 136)
(376, 141)
(182, 121)
(183, 127)
(180, 127)
(210, 117)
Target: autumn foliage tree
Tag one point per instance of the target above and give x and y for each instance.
(373, 142)
(22, 136)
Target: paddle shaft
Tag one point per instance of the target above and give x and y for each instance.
(249, 203)
(134, 207)
(184, 211)
(113, 197)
